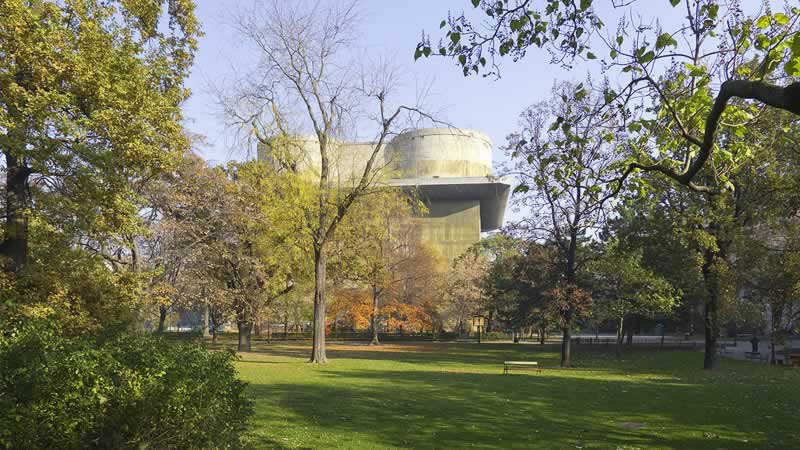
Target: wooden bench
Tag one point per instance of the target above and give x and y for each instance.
(756, 356)
(510, 365)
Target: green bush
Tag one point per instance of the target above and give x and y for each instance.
(124, 391)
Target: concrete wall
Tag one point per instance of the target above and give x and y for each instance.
(440, 152)
(423, 153)
(452, 226)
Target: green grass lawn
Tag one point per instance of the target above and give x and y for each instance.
(454, 396)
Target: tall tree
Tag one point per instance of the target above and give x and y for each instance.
(563, 169)
(304, 60)
(89, 100)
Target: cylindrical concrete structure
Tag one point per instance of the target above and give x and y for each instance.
(440, 153)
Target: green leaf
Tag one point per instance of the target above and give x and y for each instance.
(462, 59)
(647, 57)
(441, 25)
(522, 188)
(585, 4)
(764, 21)
(475, 3)
(781, 19)
(455, 37)
(695, 71)
(674, 2)
(426, 51)
(762, 42)
(792, 67)
(664, 40)
(591, 55)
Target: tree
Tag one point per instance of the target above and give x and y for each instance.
(303, 61)
(260, 252)
(673, 116)
(713, 30)
(464, 292)
(375, 241)
(89, 99)
(624, 288)
(563, 169)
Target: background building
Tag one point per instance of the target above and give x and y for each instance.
(450, 168)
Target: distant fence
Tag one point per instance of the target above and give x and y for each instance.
(667, 341)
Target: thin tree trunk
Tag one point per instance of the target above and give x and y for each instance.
(620, 334)
(205, 320)
(566, 347)
(318, 354)
(162, 318)
(15, 243)
(542, 335)
(374, 318)
(710, 322)
(245, 330)
(631, 329)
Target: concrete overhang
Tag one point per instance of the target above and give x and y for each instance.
(492, 192)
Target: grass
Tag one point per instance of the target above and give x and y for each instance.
(455, 396)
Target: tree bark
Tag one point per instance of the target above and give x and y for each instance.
(205, 320)
(245, 330)
(629, 333)
(710, 319)
(162, 318)
(620, 334)
(542, 335)
(15, 243)
(318, 354)
(374, 318)
(566, 347)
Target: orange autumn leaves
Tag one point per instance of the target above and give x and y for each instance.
(353, 308)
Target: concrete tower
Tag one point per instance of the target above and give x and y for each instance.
(452, 171)
(450, 168)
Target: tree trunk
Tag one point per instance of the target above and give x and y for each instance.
(15, 243)
(566, 347)
(620, 334)
(542, 335)
(631, 327)
(318, 354)
(374, 318)
(710, 322)
(162, 318)
(205, 320)
(245, 329)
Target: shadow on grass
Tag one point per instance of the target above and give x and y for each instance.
(424, 409)
(448, 396)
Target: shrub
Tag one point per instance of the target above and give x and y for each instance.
(117, 392)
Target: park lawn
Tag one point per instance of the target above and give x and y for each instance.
(432, 395)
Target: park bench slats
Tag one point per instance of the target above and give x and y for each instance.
(509, 365)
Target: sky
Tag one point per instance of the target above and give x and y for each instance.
(391, 28)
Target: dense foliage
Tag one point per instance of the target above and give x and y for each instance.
(123, 391)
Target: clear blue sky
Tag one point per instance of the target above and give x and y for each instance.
(391, 28)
